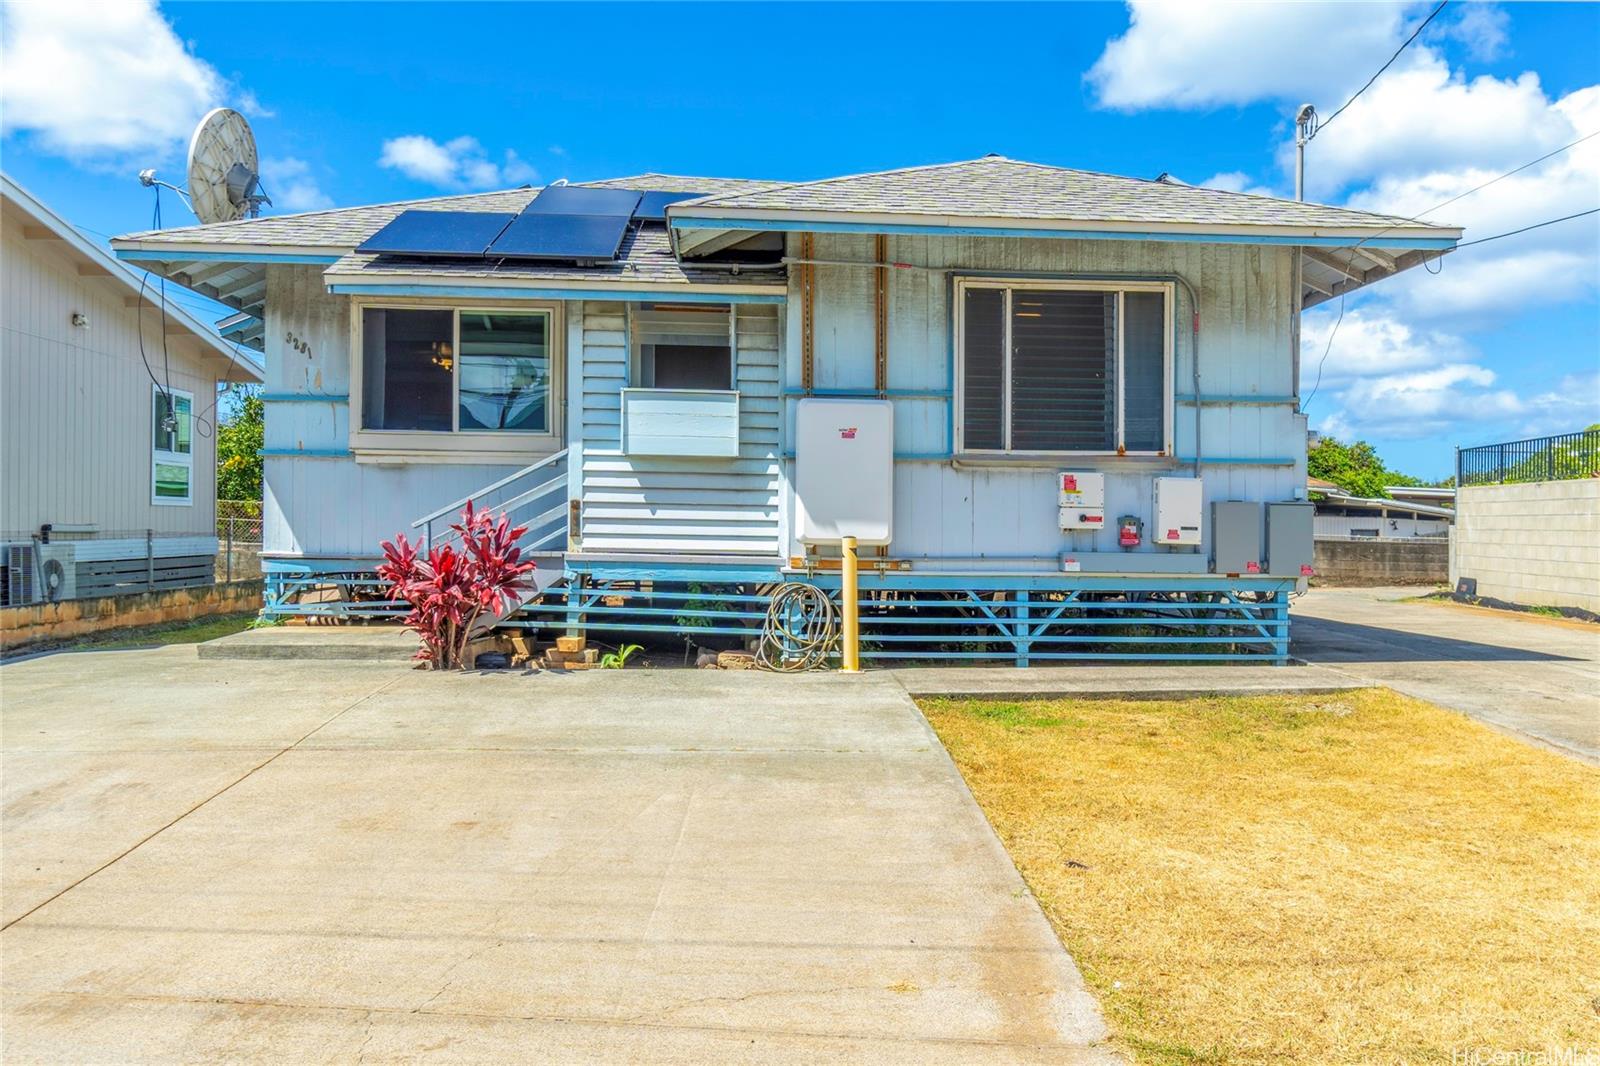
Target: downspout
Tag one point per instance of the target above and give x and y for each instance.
(807, 314)
(880, 278)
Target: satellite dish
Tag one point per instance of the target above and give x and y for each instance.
(224, 172)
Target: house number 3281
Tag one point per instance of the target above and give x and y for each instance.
(303, 347)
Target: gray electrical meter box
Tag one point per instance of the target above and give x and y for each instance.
(1236, 538)
(1289, 546)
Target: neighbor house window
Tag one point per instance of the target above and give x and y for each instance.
(682, 347)
(455, 370)
(1048, 368)
(171, 446)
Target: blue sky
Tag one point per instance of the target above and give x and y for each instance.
(359, 103)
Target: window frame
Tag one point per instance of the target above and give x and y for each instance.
(637, 345)
(457, 444)
(1009, 285)
(159, 456)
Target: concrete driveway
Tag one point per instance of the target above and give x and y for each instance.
(1535, 677)
(304, 862)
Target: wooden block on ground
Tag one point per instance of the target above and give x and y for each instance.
(571, 644)
(736, 660)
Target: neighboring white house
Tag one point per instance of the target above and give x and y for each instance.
(1409, 512)
(108, 414)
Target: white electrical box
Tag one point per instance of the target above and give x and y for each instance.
(1082, 501)
(1179, 502)
(844, 470)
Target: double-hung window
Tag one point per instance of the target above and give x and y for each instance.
(171, 446)
(1055, 368)
(456, 371)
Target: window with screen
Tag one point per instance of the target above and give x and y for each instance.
(682, 347)
(171, 446)
(1063, 368)
(464, 371)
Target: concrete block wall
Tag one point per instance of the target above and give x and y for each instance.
(1376, 562)
(65, 619)
(1536, 544)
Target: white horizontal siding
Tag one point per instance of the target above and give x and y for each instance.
(680, 504)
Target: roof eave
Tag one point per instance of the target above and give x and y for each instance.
(691, 216)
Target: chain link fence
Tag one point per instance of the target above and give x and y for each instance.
(238, 540)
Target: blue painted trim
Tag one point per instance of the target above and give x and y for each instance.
(802, 226)
(1220, 461)
(623, 570)
(306, 453)
(869, 394)
(143, 255)
(1188, 399)
(303, 397)
(905, 457)
(240, 327)
(499, 292)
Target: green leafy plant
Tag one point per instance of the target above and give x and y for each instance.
(616, 660)
(239, 441)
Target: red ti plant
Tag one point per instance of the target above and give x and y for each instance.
(452, 586)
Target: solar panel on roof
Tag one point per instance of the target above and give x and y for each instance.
(533, 235)
(573, 200)
(465, 233)
(652, 205)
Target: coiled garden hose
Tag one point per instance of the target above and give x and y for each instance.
(800, 630)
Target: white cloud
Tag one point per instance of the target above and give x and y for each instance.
(1421, 116)
(1193, 55)
(1482, 28)
(101, 82)
(1400, 365)
(1367, 344)
(1385, 379)
(460, 163)
(292, 187)
(1236, 181)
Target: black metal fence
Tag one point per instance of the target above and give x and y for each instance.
(1559, 458)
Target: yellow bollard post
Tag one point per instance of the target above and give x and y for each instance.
(850, 653)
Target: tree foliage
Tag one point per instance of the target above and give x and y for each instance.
(239, 441)
(1355, 468)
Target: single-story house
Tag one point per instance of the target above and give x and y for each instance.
(1057, 408)
(1407, 512)
(108, 408)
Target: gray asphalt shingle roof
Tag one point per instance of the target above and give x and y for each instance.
(346, 227)
(999, 188)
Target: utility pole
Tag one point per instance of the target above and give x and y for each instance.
(1305, 128)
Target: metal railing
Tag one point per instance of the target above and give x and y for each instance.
(1562, 457)
(535, 496)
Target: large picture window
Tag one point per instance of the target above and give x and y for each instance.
(443, 371)
(171, 446)
(1061, 367)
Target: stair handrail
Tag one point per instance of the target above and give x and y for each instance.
(426, 521)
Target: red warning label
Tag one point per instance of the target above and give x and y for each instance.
(848, 434)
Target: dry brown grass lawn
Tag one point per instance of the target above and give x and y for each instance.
(1361, 878)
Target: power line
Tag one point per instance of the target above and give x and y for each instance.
(1415, 33)
(1476, 188)
(1525, 229)
(1504, 176)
